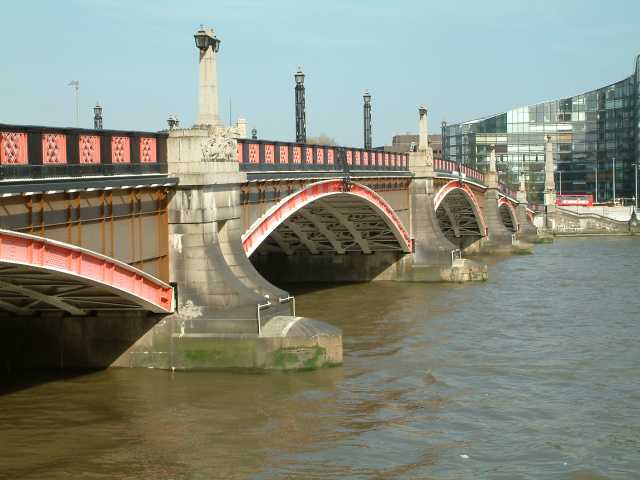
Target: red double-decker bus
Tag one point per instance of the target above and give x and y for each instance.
(574, 200)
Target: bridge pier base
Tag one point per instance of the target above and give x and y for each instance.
(435, 258)
(498, 239)
(226, 311)
(526, 230)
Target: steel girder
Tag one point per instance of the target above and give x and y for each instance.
(458, 220)
(25, 290)
(334, 224)
(507, 218)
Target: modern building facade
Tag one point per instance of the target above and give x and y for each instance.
(595, 141)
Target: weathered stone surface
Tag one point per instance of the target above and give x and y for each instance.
(561, 221)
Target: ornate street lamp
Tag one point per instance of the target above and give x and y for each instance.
(367, 119)
(301, 120)
(97, 117)
(205, 38)
(443, 143)
(208, 45)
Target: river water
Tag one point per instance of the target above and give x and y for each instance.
(534, 374)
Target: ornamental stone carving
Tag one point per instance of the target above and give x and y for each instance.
(220, 147)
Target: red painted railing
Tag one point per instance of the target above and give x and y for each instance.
(35, 152)
(507, 191)
(268, 155)
(446, 166)
(87, 266)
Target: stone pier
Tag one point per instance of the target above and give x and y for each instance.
(435, 258)
(228, 315)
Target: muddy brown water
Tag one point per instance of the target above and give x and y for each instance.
(534, 374)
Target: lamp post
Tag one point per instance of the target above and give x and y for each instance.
(208, 45)
(367, 119)
(635, 170)
(443, 143)
(636, 194)
(613, 177)
(76, 86)
(97, 117)
(597, 161)
(301, 120)
(560, 181)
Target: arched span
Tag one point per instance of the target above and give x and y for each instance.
(330, 216)
(508, 214)
(456, 185)
(38, 274)
(530, 214)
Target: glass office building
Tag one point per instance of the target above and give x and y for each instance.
(594, 135)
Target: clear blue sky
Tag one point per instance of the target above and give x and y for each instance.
(464, 59)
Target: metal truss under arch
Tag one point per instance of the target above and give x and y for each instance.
(508, 214)
(331, 216)
(459, 215)
(40, 275)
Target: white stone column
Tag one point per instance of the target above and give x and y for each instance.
(491, 176)
(423, 141)
(492, 159)
(549, 170)
(208, 85)
(241, 126)
(521, 196)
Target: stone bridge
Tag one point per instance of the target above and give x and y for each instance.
(202, 226)
(170, 249)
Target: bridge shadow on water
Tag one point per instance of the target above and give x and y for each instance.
(16, 380)
(36, 350)
(310, 287)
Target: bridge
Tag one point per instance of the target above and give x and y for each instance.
(166, 249)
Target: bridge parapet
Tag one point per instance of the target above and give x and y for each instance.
(263, 155)
(34, 152)
(455, 169)
(509, 192)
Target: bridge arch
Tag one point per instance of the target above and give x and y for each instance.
(459, 214)
(39, 275)
(331, 216)
(508, 214)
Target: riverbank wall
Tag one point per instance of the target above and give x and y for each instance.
(567, 221)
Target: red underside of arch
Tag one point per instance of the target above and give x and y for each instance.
(507, 202)
(288, 206)
(81, 264)
(456, 185)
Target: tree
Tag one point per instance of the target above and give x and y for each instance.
(322, 139)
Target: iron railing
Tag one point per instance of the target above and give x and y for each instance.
(17, 172)
(263, 155)
(454, 168)
(506, 190)
(33, 152)
(291, 300)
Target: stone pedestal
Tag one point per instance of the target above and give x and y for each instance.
(549, 171)
(499, 239)
(433, 257)
(220, 295)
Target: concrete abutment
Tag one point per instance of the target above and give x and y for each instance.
(227, 312)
